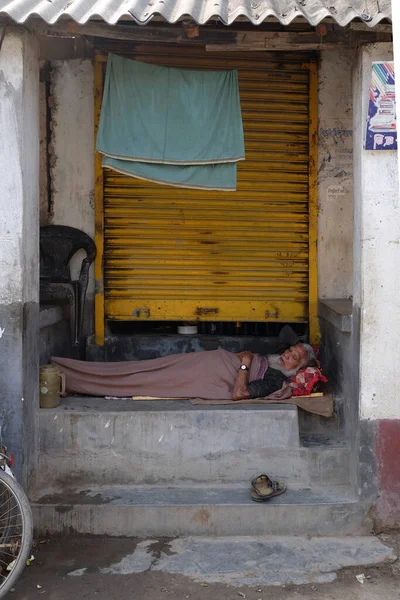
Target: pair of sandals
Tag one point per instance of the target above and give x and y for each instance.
(264, 488)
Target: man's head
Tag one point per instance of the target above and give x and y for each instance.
(294, 358)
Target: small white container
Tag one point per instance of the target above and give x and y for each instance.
(187, 329)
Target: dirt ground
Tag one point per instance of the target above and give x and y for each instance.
(47, 577)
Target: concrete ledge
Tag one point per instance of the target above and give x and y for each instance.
(338, 312)
(101, 406)
(202, 510)
(50, 315)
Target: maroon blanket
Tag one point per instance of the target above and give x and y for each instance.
(210, 375)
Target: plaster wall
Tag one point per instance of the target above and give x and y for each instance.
(43, 179)
(72, 152)
(335, 174)
(376, 255)
(12, 180)
(19, 245)
(73, 144)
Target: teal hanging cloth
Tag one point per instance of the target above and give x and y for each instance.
(175, 126)
(206, 177)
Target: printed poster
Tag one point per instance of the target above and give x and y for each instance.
(381, 122)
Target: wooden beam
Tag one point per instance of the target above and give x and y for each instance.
(304, 41)
(133, 33)
(380, 28)
(214, 38)
(274, 46)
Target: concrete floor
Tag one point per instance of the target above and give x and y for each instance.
(211, 569)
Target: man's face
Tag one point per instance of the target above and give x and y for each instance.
(293, 357)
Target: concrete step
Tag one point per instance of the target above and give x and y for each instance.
(196, 510)
(121, 442)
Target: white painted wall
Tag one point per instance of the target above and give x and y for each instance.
(30, 167)
(335, 175)
(73, 149)
(376, 255)
(396, 48)
(19, 160)
(19, 245)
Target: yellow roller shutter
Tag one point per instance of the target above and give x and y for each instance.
(177, 254)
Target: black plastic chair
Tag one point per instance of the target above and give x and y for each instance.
(58, 244)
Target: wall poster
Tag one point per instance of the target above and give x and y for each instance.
(381, 122)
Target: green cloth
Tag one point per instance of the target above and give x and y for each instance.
(210, 177)
(155, 120)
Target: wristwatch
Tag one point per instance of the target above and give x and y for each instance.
(243, 368)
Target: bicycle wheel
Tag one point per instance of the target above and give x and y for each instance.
(16, 532)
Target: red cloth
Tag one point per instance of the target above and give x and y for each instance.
(305, 381)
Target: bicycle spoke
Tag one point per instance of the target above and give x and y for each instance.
(3, 552)
(8, 523)
(8, 500)
(16, 507)
(10, 531)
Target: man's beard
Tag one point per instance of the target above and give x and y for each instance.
(274, 362)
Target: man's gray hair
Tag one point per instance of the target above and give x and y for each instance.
(311, 359)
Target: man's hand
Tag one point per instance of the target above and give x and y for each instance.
(246, 357)
(242, 377)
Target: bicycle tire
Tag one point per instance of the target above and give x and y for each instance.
(19, 496)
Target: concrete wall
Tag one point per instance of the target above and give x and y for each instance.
(377, 256)
(376, 304)
(336, 356)
(19, 245)
(335, 175)
(55, 333)
(71, 157)
(43, 173)
(73, 144)
(339, 356)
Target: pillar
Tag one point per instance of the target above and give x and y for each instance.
(19, 246)
(377, 302)
(396, 47)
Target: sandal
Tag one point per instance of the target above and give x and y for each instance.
(264, 488)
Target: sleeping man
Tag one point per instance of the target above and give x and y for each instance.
(212, 375)
(281, 367)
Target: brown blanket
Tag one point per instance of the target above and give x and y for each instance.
(210, 375)
(206, 377)
(318, 404)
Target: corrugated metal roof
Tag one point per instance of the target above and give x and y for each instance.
(201, 11)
